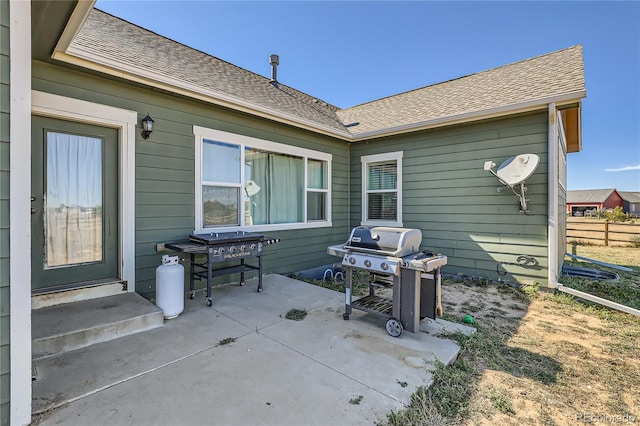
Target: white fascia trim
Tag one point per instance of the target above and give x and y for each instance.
(91, 61)
(50, 105)
(75, 22)
(552, 196)
(19, 207)
(531, 105)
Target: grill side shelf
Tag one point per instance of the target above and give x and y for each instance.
(187, 247)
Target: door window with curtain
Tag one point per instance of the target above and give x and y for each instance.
(252, 183)
(382, 189)
(73, 200)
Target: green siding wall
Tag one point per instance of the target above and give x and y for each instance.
(4, 213)
(165, 169)
(448, 195)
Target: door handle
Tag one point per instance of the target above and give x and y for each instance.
(33, 198)
(33, 211)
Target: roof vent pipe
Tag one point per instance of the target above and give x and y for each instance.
(274, 60)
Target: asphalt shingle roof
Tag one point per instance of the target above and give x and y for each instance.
(588, 195)
(119, 43)
(631, 197)
(544, 76)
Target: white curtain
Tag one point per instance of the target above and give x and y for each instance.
(74, 211)
(281, 179)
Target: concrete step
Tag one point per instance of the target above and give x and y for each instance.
(63, 328)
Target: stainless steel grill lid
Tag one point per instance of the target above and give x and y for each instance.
(382, 240)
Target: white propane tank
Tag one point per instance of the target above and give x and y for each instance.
(170, 286)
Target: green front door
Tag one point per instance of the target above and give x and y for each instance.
(74, 193)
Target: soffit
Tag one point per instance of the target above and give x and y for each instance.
(48, 21)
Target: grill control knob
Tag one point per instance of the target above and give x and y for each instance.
(352, 260)
(221, 250)
(367, 263)
(232, 249)
(253, 246)
(243, 247)
(384, 266)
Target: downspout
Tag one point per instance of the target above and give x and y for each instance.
(349, 186)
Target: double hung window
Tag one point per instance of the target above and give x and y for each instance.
(382, 189)
(244, 182)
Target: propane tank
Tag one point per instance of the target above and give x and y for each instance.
(170, 286)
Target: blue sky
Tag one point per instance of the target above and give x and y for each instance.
(347, 53)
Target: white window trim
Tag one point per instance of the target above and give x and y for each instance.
(202, 133)
(387, 156)
(55, 106)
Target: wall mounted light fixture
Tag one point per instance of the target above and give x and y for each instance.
(147, 126)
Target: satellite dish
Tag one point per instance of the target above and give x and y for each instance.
(513, 172)
(517, 169)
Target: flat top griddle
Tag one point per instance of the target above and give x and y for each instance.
(225, 237)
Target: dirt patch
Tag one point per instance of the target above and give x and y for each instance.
(587, 358)
(496, 302)
(536, 359)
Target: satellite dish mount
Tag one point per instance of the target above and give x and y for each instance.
(513, 172)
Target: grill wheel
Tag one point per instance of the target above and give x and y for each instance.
(394, 327)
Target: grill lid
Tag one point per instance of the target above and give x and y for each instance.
(382, 240)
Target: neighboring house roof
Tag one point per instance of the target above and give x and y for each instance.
(630, 197)
(589, 195)
(112, 45)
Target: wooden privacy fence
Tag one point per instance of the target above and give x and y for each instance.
(603, 232)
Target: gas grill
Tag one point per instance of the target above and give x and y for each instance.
(392, 256)
(222, 247)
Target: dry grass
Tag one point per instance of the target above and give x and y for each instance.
(537, 358)
(591, 231)
(624, 256)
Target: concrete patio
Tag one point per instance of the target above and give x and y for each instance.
(274, 371)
